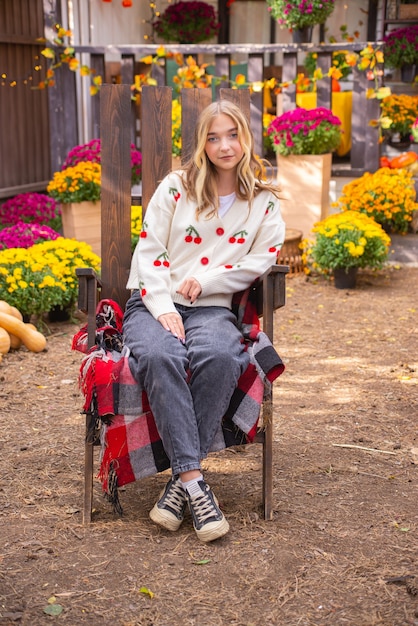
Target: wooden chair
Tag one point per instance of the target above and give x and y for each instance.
(156, 103)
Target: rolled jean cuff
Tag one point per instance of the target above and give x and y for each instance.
(186, 468)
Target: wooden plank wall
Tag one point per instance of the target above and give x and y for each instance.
(24, 119)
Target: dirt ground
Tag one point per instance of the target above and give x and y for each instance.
(345, 487)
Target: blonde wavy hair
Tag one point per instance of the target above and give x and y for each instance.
(199, 173)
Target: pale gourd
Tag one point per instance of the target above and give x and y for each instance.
(15, 342)
(4, 341)
(5, 307)
(16, 313)
(32, 339)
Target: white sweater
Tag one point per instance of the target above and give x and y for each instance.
(224, 254)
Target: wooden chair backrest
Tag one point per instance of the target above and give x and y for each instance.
(156, 142)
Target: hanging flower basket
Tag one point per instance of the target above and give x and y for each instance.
(187, 22)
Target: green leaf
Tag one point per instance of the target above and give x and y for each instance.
(53, 609)
(202, 562)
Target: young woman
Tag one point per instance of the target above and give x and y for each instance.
(209, 231)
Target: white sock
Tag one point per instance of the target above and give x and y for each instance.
(192, 486)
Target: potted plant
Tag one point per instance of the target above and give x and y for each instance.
(398, 114)
(187, 22)
(37, 208)
(23, 235)
(299, 15)
(91, 151)
(304, 141)
(77, 188)
(343, 243)
(39, 278)
(305, 131)
(387, 195)
(401, 50)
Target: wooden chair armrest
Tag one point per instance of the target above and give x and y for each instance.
(89, 286)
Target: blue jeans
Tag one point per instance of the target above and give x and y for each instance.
(189, 386)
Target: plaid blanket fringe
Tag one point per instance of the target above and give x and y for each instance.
(131, 447)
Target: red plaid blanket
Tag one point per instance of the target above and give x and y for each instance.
(130, 444)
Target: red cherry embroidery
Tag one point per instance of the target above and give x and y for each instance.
(143, 234)
(165, 262)
(220, 231)
(228, 267)
(238, 237)
(143, 292)
(192, 235)
(204, 260)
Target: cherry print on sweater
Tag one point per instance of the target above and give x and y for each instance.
(164, 262)
(220, 231)
(270, 206)
(238, 237)
(192, 235)
(143, 234)
(175, 193)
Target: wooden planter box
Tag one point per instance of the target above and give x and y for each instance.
(82, 221)
(408, 11)
(304, 180)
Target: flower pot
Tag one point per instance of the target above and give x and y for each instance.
(59, 314)
(408, 11)
(302, 35)
(345, 277)
(82, 221)
(304, 182)
(408, 73)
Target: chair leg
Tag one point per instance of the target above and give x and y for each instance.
(268, 470)
(88, 475)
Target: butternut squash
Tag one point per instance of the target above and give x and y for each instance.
(32, 339)
(4, 341)
(16, 313)
(5, 307)
(15, 342)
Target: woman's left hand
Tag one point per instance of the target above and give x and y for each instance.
(190, 289)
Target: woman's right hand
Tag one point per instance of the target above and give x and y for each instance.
(174, 324)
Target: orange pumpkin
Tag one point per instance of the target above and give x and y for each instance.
(404, 159)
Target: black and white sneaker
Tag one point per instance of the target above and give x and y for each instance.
(208, 520)
(168, 512)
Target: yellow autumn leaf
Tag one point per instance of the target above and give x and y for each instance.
(84, 70)
(48, 53)
(147, 60)
(147, 592)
